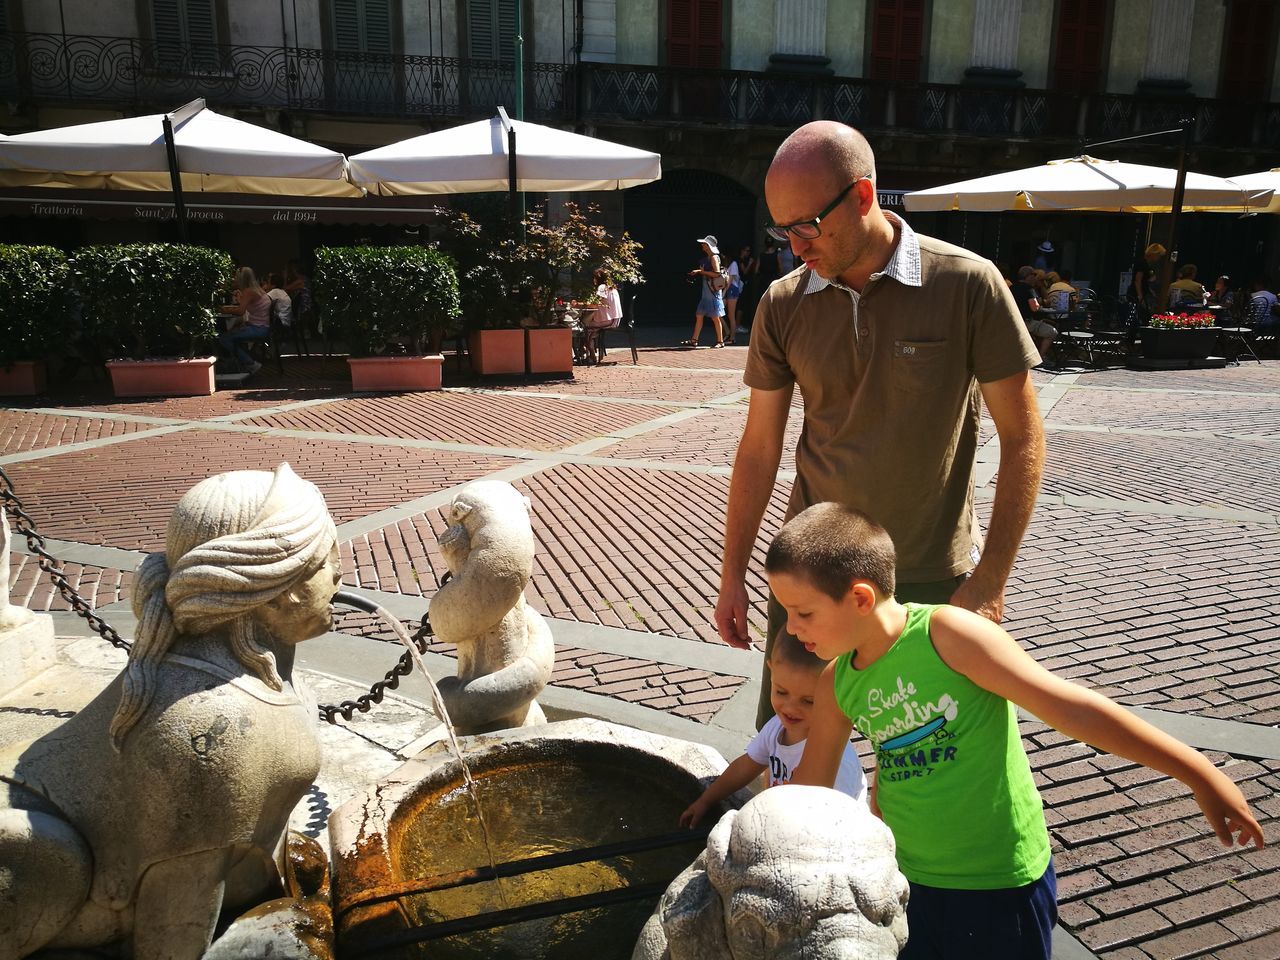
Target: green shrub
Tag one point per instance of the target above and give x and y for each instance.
(151, 299)
(35, 301)
(373, 296)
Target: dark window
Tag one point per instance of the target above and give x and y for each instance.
(491, 29)
(694, 31)
(1078, 46)
(897, 40)
(1246, 50)
(362, 26)
(183, 22)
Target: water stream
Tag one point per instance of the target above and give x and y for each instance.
(362, 603)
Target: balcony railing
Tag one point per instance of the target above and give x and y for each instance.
(141, 73)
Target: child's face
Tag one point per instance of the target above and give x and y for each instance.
(822, 624)
(792, 696)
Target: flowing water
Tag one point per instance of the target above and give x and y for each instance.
(443, 714)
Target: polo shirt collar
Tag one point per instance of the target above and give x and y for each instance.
(903, 266)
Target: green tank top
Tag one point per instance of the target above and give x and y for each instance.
(954, 784)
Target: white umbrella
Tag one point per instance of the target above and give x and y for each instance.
(474, 158)
(1086, 183)
(1267, 180)
(216, 154)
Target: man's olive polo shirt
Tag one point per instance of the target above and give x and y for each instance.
(890, 386)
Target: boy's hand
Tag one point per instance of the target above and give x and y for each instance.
(1228, 813)
(693, 814)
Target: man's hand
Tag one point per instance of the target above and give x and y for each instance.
(731, 616)
(982, 600)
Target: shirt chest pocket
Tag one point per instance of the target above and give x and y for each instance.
(919, 366)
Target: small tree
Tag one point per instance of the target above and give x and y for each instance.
(151, 299)
(505, 278)
(34, 301)
(373, 296)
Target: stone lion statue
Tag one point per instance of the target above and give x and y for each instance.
(505, 653)
(799, 872)
(165, 799)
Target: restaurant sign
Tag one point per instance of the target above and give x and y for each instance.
(104, 205)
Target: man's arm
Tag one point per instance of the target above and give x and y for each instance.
(755, 468)
(1012, 404)
(992, 659)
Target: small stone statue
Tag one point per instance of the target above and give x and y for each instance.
(11, 616)
(505, 653)
(797, 872)
(165, 800)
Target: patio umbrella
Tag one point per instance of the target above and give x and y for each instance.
(214, 153)
(1086, 183)
(1267, 180)
(476, 157)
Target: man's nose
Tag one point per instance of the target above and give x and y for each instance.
(798, 245)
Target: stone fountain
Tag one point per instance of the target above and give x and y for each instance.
(143, 824)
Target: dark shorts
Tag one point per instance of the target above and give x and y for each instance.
(1011, 924)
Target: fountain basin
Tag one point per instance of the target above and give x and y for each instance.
(545, 791)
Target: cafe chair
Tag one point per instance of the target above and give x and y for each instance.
(627, 323)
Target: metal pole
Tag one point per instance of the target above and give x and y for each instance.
(1179, 191)
(519, 52)
(181, 115)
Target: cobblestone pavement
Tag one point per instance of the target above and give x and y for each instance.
(1148, 571)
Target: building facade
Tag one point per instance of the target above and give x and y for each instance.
(944, 89)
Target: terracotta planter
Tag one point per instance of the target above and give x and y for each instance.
(396, 373)
(162, 378)
(1162, 343)
(549, 349)
(497, 351)
(25, 378)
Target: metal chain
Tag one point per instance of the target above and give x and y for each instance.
(51, 566)
(35, 542)
(330, 712)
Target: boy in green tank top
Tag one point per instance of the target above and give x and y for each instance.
(934, 689)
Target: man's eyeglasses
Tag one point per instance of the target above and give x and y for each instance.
(809, 229)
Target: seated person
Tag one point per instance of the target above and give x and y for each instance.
(1222, 295)
(1028, 301)
(1062, 296)
(280, 299)
(1262, 308)
(1186, 290)
(253, 307)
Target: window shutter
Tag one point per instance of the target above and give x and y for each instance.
(166, 21)
(694, 29)
(897, 40)
(1246, 67)
(1077, 64)
(491, 29)
(377, 26)
(200, 22)
(346, 25)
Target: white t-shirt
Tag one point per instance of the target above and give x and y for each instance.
(781, 760)
(283, 305)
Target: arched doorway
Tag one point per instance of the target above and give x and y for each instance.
(668, 217)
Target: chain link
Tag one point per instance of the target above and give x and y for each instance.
(51, 566)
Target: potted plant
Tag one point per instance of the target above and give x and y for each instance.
(490, 303)
(391, 305)
(152, 305)
(1180, 336)
(34, 307)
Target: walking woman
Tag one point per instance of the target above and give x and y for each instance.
(711, 303)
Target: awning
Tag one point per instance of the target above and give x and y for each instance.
(227, 208)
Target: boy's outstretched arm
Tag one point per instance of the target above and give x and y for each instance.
(736, 776)
(988, 656)
(829, 731)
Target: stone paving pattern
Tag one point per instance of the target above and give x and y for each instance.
(1148, 571)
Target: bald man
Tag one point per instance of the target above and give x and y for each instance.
(895, 340)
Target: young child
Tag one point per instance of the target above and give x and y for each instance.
(933, 688)
(779, 745)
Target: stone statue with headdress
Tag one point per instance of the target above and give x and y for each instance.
(165, 800)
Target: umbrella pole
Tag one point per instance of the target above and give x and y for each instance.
(1179, 191)
(179, 207)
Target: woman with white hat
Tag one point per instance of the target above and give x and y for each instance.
(711, 303)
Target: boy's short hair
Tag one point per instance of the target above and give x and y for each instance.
(832, 545)
(787, 649)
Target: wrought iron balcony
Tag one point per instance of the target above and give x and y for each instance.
(139, 73)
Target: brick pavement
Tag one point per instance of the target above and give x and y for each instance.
(1148, 571)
